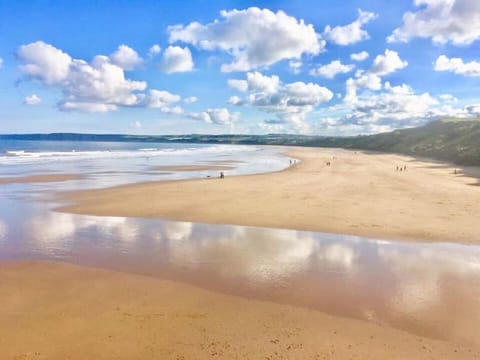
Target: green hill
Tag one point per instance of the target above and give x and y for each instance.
(453, 140)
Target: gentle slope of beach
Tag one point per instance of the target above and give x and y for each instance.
(59, 311)
(360, 194)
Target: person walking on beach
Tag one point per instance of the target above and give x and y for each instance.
(221, 175)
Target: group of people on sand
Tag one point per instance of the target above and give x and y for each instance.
(401, 168)
(293, 162)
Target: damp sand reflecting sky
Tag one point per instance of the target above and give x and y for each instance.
(428, 289)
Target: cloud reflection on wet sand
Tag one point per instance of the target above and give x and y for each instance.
(430, 289)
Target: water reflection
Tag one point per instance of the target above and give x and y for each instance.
(429, 289)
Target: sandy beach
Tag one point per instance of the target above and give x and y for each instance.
(359, 193)
(61, 311)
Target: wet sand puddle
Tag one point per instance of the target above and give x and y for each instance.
(428, 289)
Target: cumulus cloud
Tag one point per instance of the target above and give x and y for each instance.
(455, 21)
(388, 107)
(240, 85)
(360, 56)
(154, 50)
(44, 62)
(290, 103)
(163, 100)
(190, 100)
(1, 62)
(448, 98)
(383, 65)
(33, 99)
(253, 37)
(387, 63)
(96, 86)
(256, 82)
(216, 116)
(126, 58)
(177, 59)
(457, 66)
(332, 69)
(351, 33)
(396, 103)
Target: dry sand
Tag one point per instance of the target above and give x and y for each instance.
(39, 178)
(59, 311)
(194, 168)
(359, 194)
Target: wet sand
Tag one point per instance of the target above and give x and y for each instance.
(194, 168)
(39, 178)
(359, 194)
(59, 311)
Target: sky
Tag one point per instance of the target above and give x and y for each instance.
(216, 67)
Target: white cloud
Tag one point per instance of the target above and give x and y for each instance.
(457, 66)
(448, 98)
(98, 86)
(371, 79)
(216, 116)
(161, 99)
(137, 125)
(256, 82)
(1, 62)
(290, 103)
(253, 37)
(33, 99)
(177, 59)
(295, 66)
(126, 58)
(362, 80)
(455, 21)
(387, 63)
(360, 56)
(154, 50)
(240, 85)
(45, 62)
(190, 100)
(351, 33)
(332, 69)
(235, 100)
(393, 107)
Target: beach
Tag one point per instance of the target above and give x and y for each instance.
(359, 194)
(121, 278)
(59, 311)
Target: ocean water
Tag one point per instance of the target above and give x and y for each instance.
(113, 163)
(417, 287)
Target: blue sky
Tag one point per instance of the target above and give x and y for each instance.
(158, 67)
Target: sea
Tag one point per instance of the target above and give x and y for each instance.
(413, 286)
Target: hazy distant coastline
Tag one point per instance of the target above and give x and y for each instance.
(450, 140)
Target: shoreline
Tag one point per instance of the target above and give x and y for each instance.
(57, 310)
(40, 178)
(359, 194)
